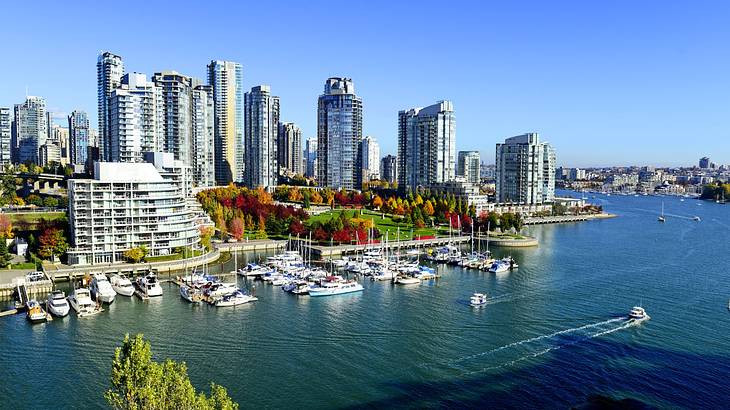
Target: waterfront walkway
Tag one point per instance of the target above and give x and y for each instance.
(337, 250)
(565, 219)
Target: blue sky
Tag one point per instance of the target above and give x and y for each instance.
(607, 83)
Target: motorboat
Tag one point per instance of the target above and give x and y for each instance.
(298, 287)
(82, 303)
(34, 312)
(334, 285)
(56, 304)
(499, 266)
(638, 314)
(383, 274)
(217, 290)
(234, 299)
(101, 289)
(253, 269)
(696, 218)
(407, 280)
(478, 299)
(148, 286)
(121, 284)
(191, 293)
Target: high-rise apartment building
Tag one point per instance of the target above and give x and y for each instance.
(6, 129)
(226, 77)
(339, 133)
(203, 158)
(310, 157)
(78, 130)
(109, 72)
(389, 168)
(370, 158)
(261, 130)
(525, 170)
(49, 154)
(136, 119)
(468, 166)
(290, 149)
(177, 113)
(30, 129)
(705, 163)
(426, 146)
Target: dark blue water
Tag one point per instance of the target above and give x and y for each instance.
(553, 334)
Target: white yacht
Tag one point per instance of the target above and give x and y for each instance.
(234, 299)
(638, 314)
(82, 303)
(101, 289)
(478, 299)
(407, 280)
(217, 290)
(191, 293)
(57, 304)
(121, 284)
(334, 285)
(34, 312)
(253, 269)
(499, 266)
(148, 286)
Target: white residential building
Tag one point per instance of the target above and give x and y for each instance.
(261, 129)
(6, 121)
(370, 158)
(203, 159)
(226, 78)
(289, 144)
(30, 129)
(525, 171)
(129, 205)
(469, 166)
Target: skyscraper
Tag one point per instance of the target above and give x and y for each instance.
(468, 166)
(177, 114)
(78, 129)
(261, 129)
(339, 132)
(109, 72)
(6, 128)
(705, 162)
(389, 168)
(310, 156)
(226, 77)
(290, 148)
(203, 165)
(525, 170)
(370, 158)
(30, 129)
(426, 146)
(136, 119)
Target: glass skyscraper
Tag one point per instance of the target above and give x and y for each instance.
(226, 78)
(30, 129)
(109, 72)
(261, 129)
(525, 170)
(78, 130)
(339, 133)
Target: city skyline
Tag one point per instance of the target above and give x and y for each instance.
(616, 92)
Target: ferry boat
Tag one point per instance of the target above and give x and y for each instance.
(149, 286)
(334, 285)
(56, 304)
(478, 299)
(81, 302)
(638, 314)
(121, 284)
(101, 289)
(34, 312)
(234, 299)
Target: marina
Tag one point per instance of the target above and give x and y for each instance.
(562, 315)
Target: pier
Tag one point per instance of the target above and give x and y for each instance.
(338, 250)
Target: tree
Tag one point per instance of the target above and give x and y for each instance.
(206, 234)
(52, 242)
(135, 255)
(50, 202)
(6, 226)
(34, 199)
(5, 256)
(138, 382)
(377, 202)
(428, 208)
(237, 228)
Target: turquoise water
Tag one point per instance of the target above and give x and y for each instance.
(553, 334)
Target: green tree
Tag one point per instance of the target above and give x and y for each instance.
(134, 255)
(50, 202)
(138, 382)
(34, 199)
(5, 256)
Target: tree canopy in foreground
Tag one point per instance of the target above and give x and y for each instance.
(140, 383)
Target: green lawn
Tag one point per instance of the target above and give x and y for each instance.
(385, 224)
(23, 265)
(34, 217)
(171, 257)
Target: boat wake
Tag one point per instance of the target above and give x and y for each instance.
(503, 356)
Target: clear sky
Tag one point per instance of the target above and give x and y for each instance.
(607, 83)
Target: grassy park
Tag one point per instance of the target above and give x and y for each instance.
(384, 223)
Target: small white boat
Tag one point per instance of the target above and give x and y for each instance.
(253, 269)
(101, 289)
(234, 299)
(121, 284)
(217, 290)
(148, 286)
(56, 304)
(661, 216)
(499, 266)
(334, 285)
(82, 303)
(696, 218)
(638, 314)
(407, 280)
(34, 312)
(478, 299)
(191, 293)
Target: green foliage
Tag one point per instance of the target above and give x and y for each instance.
(140, 383)
(52, 242)
(50, 202)
(135, 255)
(5, 256)
(34, 199)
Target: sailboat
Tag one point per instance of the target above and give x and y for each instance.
(661, 217)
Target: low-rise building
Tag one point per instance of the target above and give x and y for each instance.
(129, 205)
